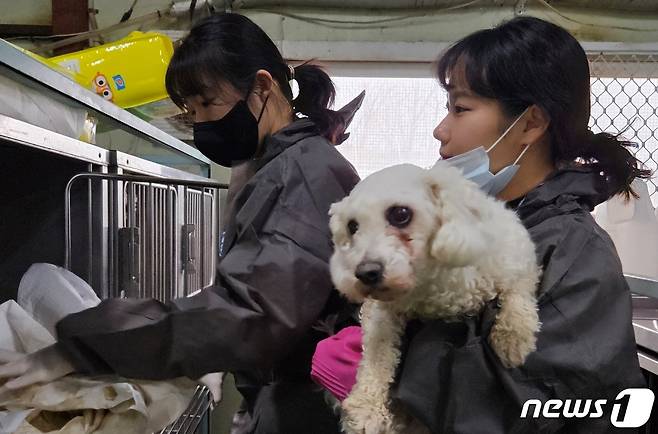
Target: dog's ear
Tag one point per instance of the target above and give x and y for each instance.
(456, 244)
(457, 241)
(447, 185)
(337, 222)
(335, 207)
(437, 178)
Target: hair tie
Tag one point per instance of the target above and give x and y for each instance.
(294, 85)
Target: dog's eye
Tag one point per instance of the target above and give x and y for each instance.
(352, 227)
(399, 216)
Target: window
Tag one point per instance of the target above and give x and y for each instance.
(398, 115)
(395, 122)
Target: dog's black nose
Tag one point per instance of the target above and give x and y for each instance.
(370, 273)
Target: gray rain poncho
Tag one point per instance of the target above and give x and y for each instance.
(273, 286)
(453, 382)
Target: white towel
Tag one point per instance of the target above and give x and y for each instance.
(46, 294)
(134, 407)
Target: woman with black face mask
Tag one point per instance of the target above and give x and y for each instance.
(272, 287)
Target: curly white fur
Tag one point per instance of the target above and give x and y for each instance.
(460, 249)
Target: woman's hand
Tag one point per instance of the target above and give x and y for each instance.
(213, 382)
(43, 366)
(336, 360)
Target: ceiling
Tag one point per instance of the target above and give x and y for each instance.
(609, 5)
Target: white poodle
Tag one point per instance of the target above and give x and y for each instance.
(415, 243)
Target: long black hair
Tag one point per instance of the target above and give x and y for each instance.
(230, 48)
(527, 61)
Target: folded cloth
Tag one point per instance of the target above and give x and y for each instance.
(132, 406)
(135, 407)
(336, 360)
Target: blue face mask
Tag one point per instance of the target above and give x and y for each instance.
(474, 165)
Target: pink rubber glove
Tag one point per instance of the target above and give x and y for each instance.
(335, 361)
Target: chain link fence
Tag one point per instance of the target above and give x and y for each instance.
(624, 91)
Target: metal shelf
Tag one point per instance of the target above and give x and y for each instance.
(35, 71)
(22, 133)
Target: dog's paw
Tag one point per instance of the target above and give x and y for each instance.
(371, 425)
(378, 425)
(512, 345)
(361, 418)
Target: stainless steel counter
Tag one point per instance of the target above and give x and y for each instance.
(645, 320)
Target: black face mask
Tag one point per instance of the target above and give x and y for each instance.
(233, 138)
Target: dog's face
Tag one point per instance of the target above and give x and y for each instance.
(388, 229)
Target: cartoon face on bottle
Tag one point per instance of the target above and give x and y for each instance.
(102, 87)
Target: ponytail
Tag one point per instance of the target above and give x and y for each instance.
(230, 48)
(608, 153)
(528, 61)
(316, 95)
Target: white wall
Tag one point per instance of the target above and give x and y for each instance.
(35, 12)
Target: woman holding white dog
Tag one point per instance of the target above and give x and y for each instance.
(272, 284)
(518, 111)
